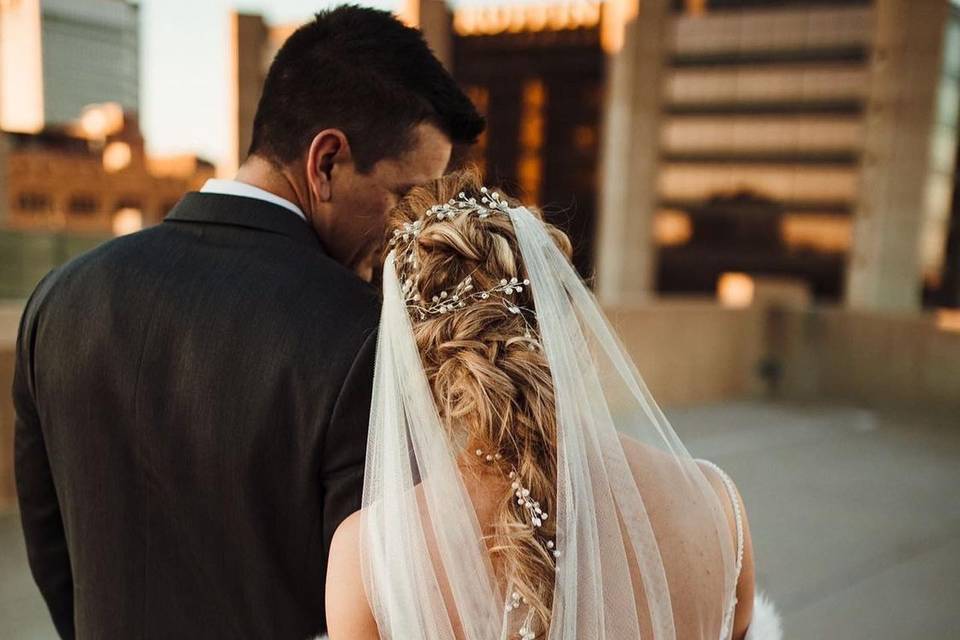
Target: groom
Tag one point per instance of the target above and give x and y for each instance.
(192, 400)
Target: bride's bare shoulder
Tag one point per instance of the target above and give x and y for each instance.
(348, 612)
(647, 461)
(654, 465)
(634, 449)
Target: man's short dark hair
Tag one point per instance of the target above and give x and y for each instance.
(361, 71)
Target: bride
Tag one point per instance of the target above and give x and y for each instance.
(520, 481)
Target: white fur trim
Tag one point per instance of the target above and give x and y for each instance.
(766, 621)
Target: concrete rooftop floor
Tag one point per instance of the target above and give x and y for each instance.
(855, 516)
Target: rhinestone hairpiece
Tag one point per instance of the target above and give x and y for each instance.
(537, 516)
(463, 294)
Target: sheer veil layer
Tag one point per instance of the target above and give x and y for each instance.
(643, 544)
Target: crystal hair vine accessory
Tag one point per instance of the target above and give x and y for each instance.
(464, 293)
(537, 517)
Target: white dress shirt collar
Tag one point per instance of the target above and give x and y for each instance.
(244, 190)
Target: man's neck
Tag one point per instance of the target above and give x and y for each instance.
(260, 173)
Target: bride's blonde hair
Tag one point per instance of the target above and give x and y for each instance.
(491, 382)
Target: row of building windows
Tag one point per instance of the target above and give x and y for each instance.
(741, 134)
(771, 30)
(813, 232)
(783, 183)
(33, 202)
(82, 204)
(775, 83)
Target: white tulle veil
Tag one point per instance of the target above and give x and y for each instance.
(617, 560)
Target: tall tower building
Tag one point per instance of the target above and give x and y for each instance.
(254, 44)
(807, 142)
(811, 140)
(58, 56)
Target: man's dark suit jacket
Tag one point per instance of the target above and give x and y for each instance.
(192, 404)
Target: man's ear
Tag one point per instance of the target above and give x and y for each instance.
(328, 148)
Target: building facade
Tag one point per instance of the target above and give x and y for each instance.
(761, 134)
(538, 76)
(61, 182)
(679, 141)
(254, 44)
(63, 193)
(840, 114)
(73, 170)
(63, 55)
(757, 113)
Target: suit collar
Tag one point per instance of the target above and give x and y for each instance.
(239, 211)
(237, 188)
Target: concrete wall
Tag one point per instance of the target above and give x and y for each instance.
(896, 359)
(693, 352)
(697, 352)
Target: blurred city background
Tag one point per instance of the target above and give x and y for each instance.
(761, 192)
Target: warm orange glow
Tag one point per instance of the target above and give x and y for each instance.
(94, 123)
(276, 36)
(126, 221)
(465, 22)
(232, 161)
(531, 126)
(558, 17)
(696, 7)
(21, 67)
(735, 290)
(585, 13)
(672, 228)
(526, 18)
(822, 233)
(116, 157)
(530, 162)
(175, 166)
(409, 13)
(617, 14)
(948, 319)
(534, 20)
(530, 175)
(100, 120)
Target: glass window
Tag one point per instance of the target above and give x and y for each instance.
(83, 204)
(33, 202)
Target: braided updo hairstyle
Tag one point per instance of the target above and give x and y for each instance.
(490, 379)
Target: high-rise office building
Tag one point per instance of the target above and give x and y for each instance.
(812, 140)
(538, 75)
(681, 140)
(761, 134)
(753, 119)
(73, 166)
(254, 44)
(59, 56)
